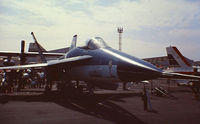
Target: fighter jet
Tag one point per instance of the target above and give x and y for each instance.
(98, 64)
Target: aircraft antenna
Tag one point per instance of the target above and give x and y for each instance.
(120, 31)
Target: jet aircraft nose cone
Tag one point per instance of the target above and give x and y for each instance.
(137, 70)
(130, 68)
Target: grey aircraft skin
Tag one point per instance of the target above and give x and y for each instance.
(111, 64)
(98, 64)
(106, 66)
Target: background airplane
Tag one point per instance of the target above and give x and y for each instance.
(32, 56)
(178, 63)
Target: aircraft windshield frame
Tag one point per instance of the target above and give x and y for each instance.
(96, 43)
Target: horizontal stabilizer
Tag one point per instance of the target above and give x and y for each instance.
(33, 48)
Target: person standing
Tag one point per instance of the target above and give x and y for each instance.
(144, 99)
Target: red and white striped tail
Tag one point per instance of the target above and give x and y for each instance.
(176, 59)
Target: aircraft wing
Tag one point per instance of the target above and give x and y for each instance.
(28, 54)
(179, 76)
(22, 67)
(67, 60)
(50, 63)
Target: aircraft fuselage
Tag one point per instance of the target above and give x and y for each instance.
(110, 65)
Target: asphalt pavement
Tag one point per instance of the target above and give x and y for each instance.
(105, 107)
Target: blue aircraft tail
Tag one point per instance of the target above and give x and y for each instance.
(73, 44)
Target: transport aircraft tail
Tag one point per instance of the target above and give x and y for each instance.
(176, 59)
(33, 48)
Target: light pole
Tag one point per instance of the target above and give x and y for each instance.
(120, 31)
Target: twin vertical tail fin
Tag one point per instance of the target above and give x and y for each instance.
(73, 44)
(176, 59)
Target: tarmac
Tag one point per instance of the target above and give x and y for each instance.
(32, 106)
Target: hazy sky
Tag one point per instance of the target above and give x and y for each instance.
(149, 25)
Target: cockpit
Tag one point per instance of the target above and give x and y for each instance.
(95, 43)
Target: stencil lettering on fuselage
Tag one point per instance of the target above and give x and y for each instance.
(110, 68)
